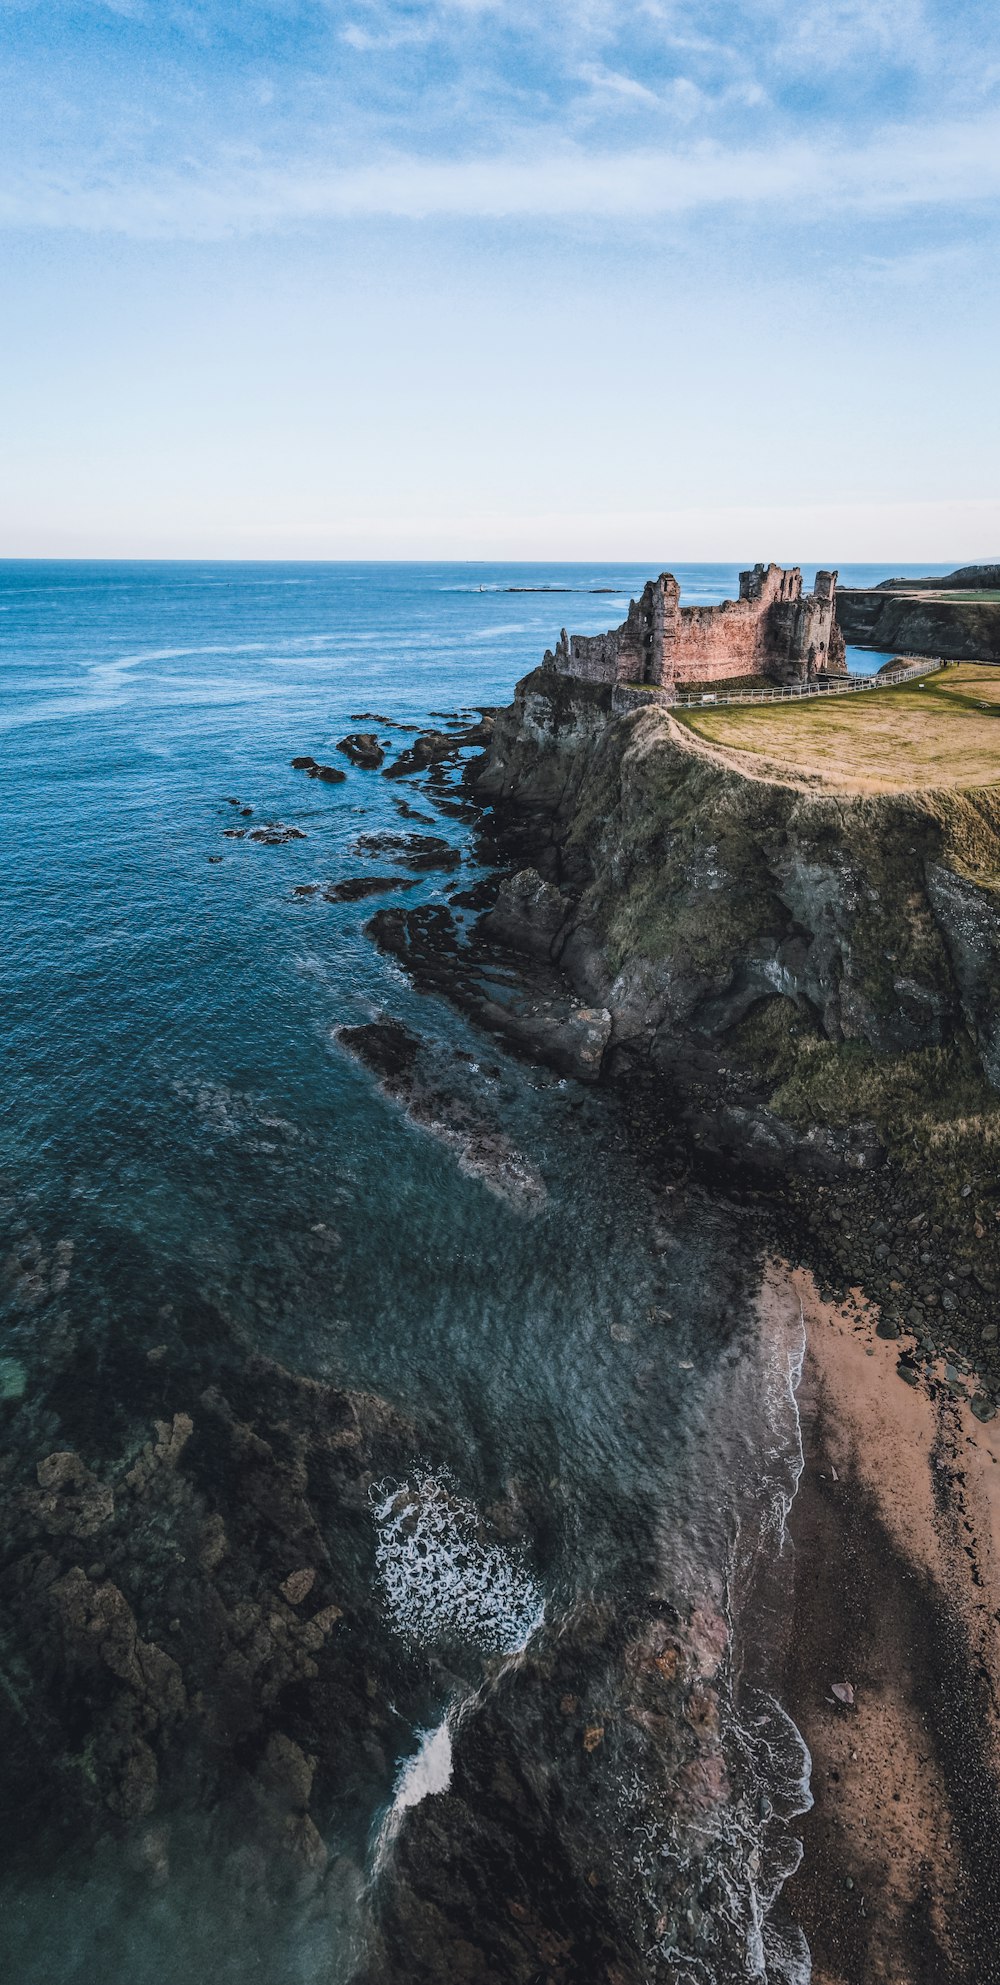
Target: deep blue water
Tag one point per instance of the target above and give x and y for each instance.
(175, 1103)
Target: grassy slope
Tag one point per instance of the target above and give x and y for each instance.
(942, 733)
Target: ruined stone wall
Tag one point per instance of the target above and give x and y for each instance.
(620, 655)
(731, 639)
(772, 629)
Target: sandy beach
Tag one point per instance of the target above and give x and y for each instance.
(895, 1532)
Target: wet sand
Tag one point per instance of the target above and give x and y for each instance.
(895, 1532)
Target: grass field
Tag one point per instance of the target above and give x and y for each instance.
(991, 594)
(943, 730)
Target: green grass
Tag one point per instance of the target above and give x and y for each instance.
(940, 732)
(933, 1108)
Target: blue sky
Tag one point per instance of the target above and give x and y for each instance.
(476, 278)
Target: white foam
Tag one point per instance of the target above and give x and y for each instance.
(441, 1579)
(427, 1772)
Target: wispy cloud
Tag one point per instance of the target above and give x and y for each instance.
(611, 80)
(930, 166)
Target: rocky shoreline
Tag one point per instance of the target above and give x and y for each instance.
(201, 1664)
(807, 981)
(896, 1220)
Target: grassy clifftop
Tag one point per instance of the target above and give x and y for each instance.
(941, 732)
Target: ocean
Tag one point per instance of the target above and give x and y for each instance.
(195, 1174)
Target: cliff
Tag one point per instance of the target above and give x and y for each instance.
(814, 972)
(968, 578)
(917, 623)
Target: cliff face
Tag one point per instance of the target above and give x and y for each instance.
(783, 954)
(963, 630)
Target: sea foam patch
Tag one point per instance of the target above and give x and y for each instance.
(427, 1772)
(443, 1577)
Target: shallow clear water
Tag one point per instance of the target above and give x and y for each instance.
(177, 1107)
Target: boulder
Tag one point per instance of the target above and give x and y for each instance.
(362, 748)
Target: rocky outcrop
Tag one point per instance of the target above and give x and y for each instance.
(362, 748)
(591, 1829)
(695, 906)
(440, 747)
(192, 1627)
(918, 624)
(331, 774)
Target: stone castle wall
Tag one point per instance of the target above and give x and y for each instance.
(773, 629)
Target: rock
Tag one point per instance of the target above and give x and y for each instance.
(396, 1055)
(286, 1772)
(414, 851)
(148, 1854)
(572, 1038)
(355, 888)
(429, 748)
(71, 1501)
(316, 1630)
(704, 1782)
(362, 748)
(298, 1585)
(886, 1327)
(330, 774)
(274, 835)
(303, 764)
(529, 915)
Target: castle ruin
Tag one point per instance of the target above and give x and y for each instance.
(773, 630)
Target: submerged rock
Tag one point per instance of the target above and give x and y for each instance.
(414, 851)
(410, 1073)
(355, 887)
(174, 1621)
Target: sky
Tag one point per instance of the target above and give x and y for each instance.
(495, 279)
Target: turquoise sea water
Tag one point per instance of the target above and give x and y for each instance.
(176, 1106)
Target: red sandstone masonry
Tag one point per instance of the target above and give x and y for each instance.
(773, 629)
